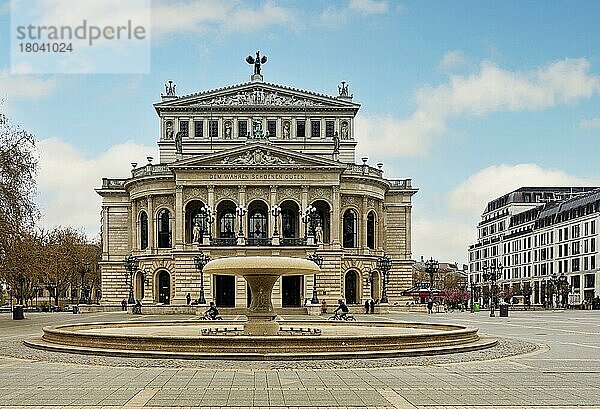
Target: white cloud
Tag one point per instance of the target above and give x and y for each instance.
(452, 59)
(442, 239)
(589, 123)
(66, 181)
(448, 237)
(24, 86)
(491, 89)
(368, 6)
(471, 196)
(173, 17)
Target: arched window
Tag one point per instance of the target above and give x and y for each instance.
(193, 216)
(371, 230)
(257, 220)
(289, 219)
(226, 217)
(349, 226)
(164, 229)
(322, 218)
(143, 230)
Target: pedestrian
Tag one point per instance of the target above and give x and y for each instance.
(372, 305)
(188, 298)
(123, 304)
(324, 307)
(430, 306)
(367, 307)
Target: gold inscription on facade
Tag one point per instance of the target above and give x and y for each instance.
(257, 176)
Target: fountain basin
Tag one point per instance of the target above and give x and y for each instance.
(184, 339)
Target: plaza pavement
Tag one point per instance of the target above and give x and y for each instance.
(563, 372)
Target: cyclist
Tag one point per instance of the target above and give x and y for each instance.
(212, 312)
(342, 309)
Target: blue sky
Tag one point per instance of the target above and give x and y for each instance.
(469, 99)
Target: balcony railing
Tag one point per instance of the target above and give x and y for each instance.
(293, 241)
(117, 184)
(224, 241)
(401, 183)
(151, 170)
(354, 169)
(260, 241)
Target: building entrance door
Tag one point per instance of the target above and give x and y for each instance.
(291, 291)
(225, 291)
(351, 292)
(164, 287)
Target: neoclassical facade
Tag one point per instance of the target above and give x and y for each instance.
(258, 155)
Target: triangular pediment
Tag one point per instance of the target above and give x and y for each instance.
(257, 155)
(257, 94)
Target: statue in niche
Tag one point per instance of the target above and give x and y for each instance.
(178, 142)
(169, 130)
(257, 131)
(318, 234)
(286, 130)
(336, 143)
(344, 130)
(196, 232)
(227, 130)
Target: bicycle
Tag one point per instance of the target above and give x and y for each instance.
(207, 317)
(339, 317)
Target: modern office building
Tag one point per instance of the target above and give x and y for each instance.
(255, 169)
(545, 240)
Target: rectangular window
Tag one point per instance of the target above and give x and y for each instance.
(585, 263)
(272, 128)
(565, 249)
(184, 127)
(559, 251)
(575, 248)
(566, 233)
(575, 231)
(242, 129)
(585, 228)
(566, 266)
(592, 245)
(585, 246)
(575, 264)
(576, 283)
(213, 128)
(315, 128)
(551, 237)
(329, 129)
(199, 129)
(559, 234)
(593, 262)
(593, 227)
(300, 129)
(559, 267)
(590, 280)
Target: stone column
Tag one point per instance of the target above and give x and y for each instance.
(362, 224)
(133, 231)
(105, 235)
(151, 225)
(179, 218)
(211, 204)
(335, 225)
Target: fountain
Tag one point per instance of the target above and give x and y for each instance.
(262, 336)
(261, 274)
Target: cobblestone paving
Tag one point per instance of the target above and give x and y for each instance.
(563, 372)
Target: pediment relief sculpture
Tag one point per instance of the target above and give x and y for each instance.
(257, 157)
(259, 97)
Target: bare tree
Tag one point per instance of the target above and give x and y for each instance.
(18, 164)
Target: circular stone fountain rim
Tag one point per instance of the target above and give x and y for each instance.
(261, 265)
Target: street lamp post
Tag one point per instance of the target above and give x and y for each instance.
(200, 261)
(276, 211)
(431, 266)
(85, 269)
(131, 265)
(318, 260)
(241, 212)
(492, 274)
(384, 264)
